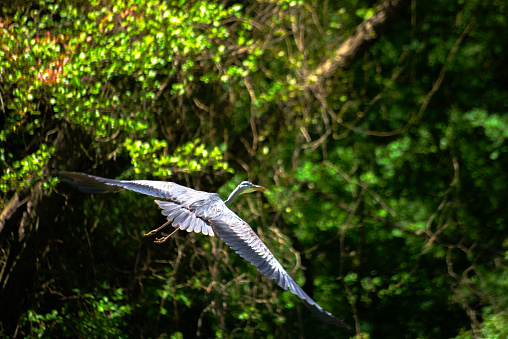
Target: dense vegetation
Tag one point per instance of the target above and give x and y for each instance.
(379, 129)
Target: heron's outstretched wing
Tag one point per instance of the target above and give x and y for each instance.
(161, 189)
(179, 209)
(239, 236)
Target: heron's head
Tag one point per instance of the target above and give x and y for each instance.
(244, 187)
(248, 187)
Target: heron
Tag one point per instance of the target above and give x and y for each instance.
(203, 212)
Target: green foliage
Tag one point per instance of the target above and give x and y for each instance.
(386, 179)
(86, 55)
(104, 318)
(494, 327)
(495, 127)
(191, 157)
(27, 172)
(39, 324)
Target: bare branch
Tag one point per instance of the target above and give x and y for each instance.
(366, 34)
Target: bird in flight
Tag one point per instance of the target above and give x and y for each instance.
(203, 212)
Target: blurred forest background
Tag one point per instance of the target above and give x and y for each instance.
(378, 127)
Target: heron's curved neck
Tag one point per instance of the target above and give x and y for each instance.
(233, 195)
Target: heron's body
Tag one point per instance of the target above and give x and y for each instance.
(203, 212)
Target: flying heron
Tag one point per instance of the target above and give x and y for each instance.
(203, 212)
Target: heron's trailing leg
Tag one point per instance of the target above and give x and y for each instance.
(163, 239)
(149, 234)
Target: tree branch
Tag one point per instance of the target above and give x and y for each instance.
(366, 34)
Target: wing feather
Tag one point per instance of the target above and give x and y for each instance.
(190, 224)
(179, 220)
(161, 189)
(240, 237)
(184, 218)
(177, 210)
(196, 225)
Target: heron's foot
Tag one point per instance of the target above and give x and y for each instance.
(149, 234)
(163, 239)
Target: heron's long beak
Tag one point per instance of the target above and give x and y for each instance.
(258, 188)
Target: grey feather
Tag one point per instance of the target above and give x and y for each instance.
(255, 251)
